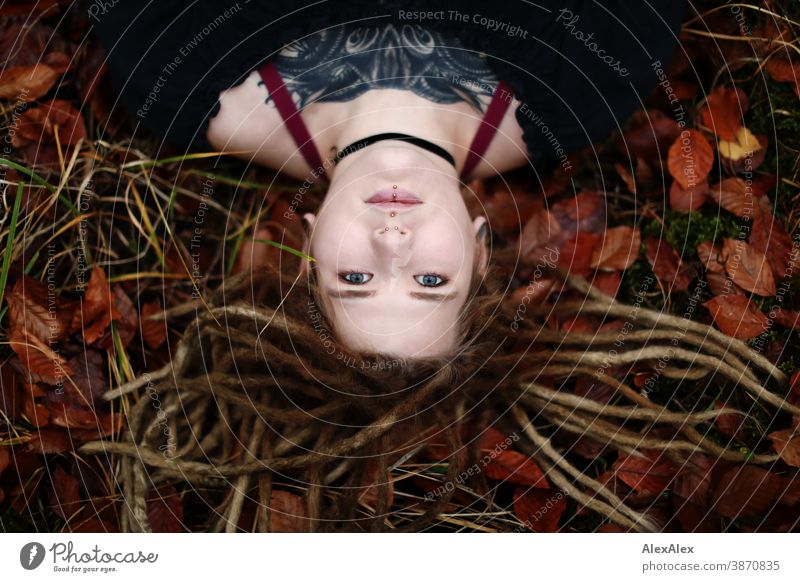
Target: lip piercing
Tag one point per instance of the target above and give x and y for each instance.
(391, 214)
(395, 228)
(394, 186)
(386, 229)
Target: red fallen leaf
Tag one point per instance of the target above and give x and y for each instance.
(585, 212)
(536, 292)
(508, 213)
(154, 331)
(690, 158)
(578, 324)
(516, 468)
(787, 444)
(128, 323)
(41, 362)
(10, 393)
(764, 184)
(64, 496)
(693, 481)
(747, 267)
(288, 513)
(4, 458)
(784, 71)
(651, 136)
(492, 438)
(735, 196)
(724, 111)
(68, 412)
(539, 509)
(89, 376)
(165, 510)
(618, 250)
(49, 440)
(720, 284)
(36, 413)
(27, 83)
(788, 318)
(651, 474)
(687, 199)
(43, 121)
(541, 228)
(98, 309)
(745, 491)
(708, 253)
(29, 303)
(608, 282)
(728, 424)
(673, 274)
(737, 316)
(576, 253)
(768, 236)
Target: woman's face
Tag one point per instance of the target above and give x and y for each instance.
(395, 263)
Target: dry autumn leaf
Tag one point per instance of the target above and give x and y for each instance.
(724, 111)
(737, 316)
(747, 267)
(42, 363)
(153, 331)
(743, 154)
(735, 196)
(44, 121)
(708, 253)
(618, 249)
(651, 473)
(673, 274)
(516, 468)
(288, 513)
(787, 444)
(768, 236)
(687, 199)
(27, 83)
(690, 158)
(539, 509)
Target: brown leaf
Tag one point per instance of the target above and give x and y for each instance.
(127, 324)
(787, 444)
(29, 308)
(728, 424)
(693, 481)
(784, 71)
(708, 253)
(43, 122)
(735, 196)
(690, 158)
(49, 440)
(618, 250)
(627, 177)
(724, 111)
(27, 83)
(651, 474)
(651, 137)
(747, 267)
(673, 274)
(4, 458)
(89, 376)
(165, 510)
(64, 496)
(515, 467)
(41, 362)
(768, 236)
(585, 212)
(575, 254)
(539, 509)
(607, 282)
(788, 318)
(288, 513)
(721, 284)
(737, 316)
(687, 199)
(746, 491)
(541, 228)
(154, 331)
(11, 396)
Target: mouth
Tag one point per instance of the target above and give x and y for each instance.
(393, 198)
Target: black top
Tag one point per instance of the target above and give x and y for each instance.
(578, 67)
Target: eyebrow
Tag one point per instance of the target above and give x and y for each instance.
(422, 295)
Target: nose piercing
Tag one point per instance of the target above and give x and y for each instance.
(391, 214)
(395, 228)
(394, 186)
(386, 229)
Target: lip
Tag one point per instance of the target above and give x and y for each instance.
(393, 198)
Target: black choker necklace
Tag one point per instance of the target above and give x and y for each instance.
(419, 142)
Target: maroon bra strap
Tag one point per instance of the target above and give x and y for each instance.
(291, 117)
(489, 124)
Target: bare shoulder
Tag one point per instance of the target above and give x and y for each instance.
(249, 126)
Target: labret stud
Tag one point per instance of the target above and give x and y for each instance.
(391, 214)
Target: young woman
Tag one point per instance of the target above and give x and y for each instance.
(395, 105)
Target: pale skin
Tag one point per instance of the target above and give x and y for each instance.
(396, 277)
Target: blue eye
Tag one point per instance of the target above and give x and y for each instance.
(430, 280)
(355, 278)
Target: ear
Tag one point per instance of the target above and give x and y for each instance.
(310, 220)
(481, 229)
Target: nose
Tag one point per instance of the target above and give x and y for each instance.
(391, 240)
